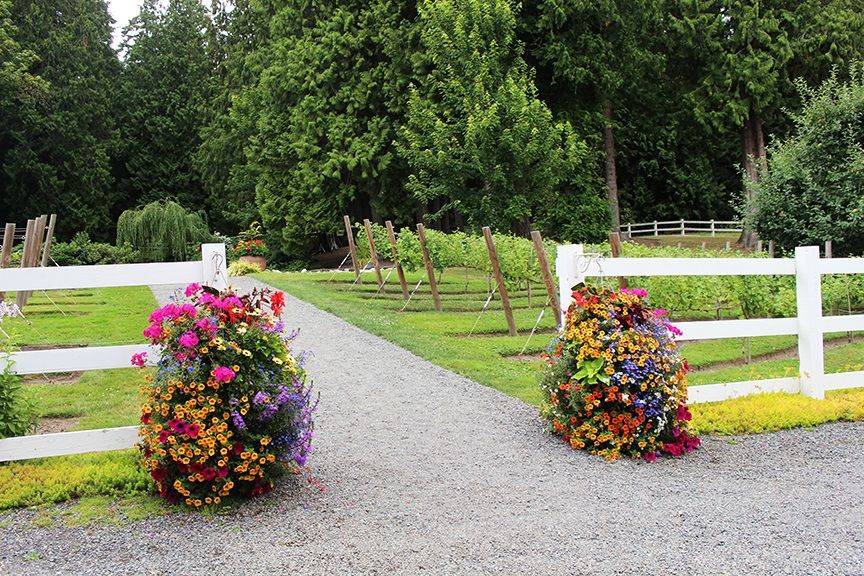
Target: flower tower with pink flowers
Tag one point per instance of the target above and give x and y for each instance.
(615, 384)
(229, 407)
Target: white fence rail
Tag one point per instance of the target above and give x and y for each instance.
(210, 270)
(680, 227)
(573, 266)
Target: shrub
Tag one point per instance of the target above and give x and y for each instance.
(229, 406)
(80, 251)
(163, 231)
(241, 268)
(616, 384)
(17, 415)
(811, 191)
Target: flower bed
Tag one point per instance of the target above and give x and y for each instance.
(615, 384)
(229, 406)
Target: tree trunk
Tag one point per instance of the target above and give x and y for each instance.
(753, 150)
(611, 172)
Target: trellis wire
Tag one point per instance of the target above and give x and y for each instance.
(482, 310)
(411, 295)
(536, 323)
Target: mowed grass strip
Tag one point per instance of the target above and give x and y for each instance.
(96, 399)
(487, 355)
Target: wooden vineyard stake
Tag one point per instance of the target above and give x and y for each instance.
(372, 254)
(401, 273)
(49, 239)
(353, 249)
(21, 297)
(6, 252)
(502, 290)
(615, 243)
(543, 259)
(430, 271)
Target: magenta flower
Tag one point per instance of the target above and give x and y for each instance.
(189, 339)
(153, 331)
(223, 374)
(139, 359)
(193, 288)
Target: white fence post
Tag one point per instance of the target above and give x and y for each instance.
(655, 228)
(713, 231)
(808, 290)
(215, 269)
(569, 274)
(682, 227)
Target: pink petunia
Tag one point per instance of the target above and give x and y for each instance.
(193, 288)
(139, 359)
(153, 332)
(188, 339)
(223, 374)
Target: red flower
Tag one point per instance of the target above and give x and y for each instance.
(145, 418)
(208, 474)
(277, 302)
(158, 474)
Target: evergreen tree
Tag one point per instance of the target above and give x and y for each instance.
(238, 59)
(327, 107)
(748, 54)
(56, 148)
(164, 95)
(600, 52)
(476, 135)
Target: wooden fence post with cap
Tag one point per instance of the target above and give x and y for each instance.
(353, 249)
(372, 254)
(430, 271)
(499, 278)
(543, 259)
(49, 239)
(21, 296)
(6, 252)
(391, 235)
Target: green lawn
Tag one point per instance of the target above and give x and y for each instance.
(486, 356)
(98, 399)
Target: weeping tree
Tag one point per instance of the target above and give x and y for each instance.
(163, 231)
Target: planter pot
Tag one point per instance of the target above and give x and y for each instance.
(259, 261)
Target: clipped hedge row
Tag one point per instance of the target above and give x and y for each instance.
(683, 296)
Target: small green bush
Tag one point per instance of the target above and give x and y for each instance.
(80, 251)
(17, 415)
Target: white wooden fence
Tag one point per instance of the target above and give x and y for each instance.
(210, 270)
(573, 266)
(680, 227)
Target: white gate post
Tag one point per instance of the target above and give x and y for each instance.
(808, 291)
(567, 269)
(215, 269)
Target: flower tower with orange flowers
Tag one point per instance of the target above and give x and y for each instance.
(229, 407)
(615, 383)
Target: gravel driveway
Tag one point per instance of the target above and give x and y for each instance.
(418, 470)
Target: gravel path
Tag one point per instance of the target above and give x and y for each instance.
(418, 470)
